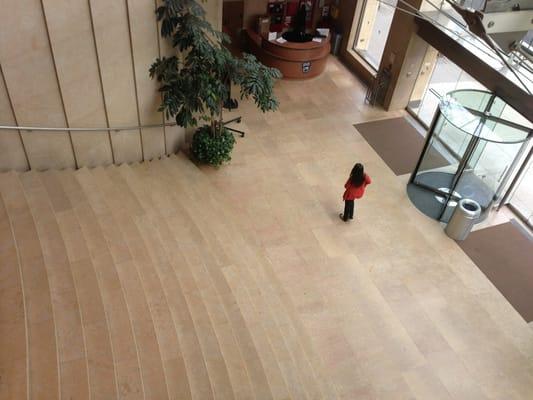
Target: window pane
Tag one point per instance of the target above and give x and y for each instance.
(373, 30)
(445, 77)
(522, 199)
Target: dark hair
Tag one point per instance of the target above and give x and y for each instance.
(357, 176)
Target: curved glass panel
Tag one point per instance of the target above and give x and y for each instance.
(475, 99)
(486, 171)
(439, 165)
(484, 115)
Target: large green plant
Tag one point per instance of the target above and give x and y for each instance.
(195, 81)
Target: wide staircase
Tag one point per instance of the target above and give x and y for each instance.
(139, 281)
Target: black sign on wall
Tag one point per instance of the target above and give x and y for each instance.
(306, 67)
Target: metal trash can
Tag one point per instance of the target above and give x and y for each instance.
(464, 217)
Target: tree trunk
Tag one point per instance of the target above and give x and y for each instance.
(213, 125)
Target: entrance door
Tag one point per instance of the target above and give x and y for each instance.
(441, 163)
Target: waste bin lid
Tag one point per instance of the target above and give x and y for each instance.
(470, 207)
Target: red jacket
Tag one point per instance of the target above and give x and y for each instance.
(355, 192)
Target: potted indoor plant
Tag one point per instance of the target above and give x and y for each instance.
(196, 81)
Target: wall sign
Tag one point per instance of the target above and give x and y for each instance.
(306, 67)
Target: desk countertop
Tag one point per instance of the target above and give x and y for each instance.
(289, 45)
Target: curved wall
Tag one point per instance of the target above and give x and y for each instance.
(82, 63)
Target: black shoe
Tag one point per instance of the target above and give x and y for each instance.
(342, 217)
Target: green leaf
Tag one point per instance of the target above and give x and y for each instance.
(193, 82)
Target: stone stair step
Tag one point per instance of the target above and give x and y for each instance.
(120, 210)
(40, 330)
(307, 375)
(154, 228)
(72, 352)
(156, 287)
(13, 346)
(90, 213)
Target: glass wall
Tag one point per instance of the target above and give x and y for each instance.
(373, 29)
(437, 76)
(522, 197)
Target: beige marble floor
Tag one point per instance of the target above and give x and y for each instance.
(163, 280)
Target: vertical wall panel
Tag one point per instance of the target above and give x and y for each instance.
(70, 30)
(110, 21)
(213, 9)
(251, 10)
(143, 27)
(174, 135)
(32, 84)
(11, 151)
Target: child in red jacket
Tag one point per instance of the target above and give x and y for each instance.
(355, 189)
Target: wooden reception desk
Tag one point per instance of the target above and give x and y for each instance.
(294, 60)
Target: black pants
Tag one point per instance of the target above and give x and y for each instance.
(348, 209)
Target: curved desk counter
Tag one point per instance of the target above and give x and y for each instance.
(294, 60)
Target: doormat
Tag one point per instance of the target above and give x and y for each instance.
(399, 144)
(505, 255)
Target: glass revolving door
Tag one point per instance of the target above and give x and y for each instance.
(470, 151)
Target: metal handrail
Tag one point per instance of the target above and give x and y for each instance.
(114, 129)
